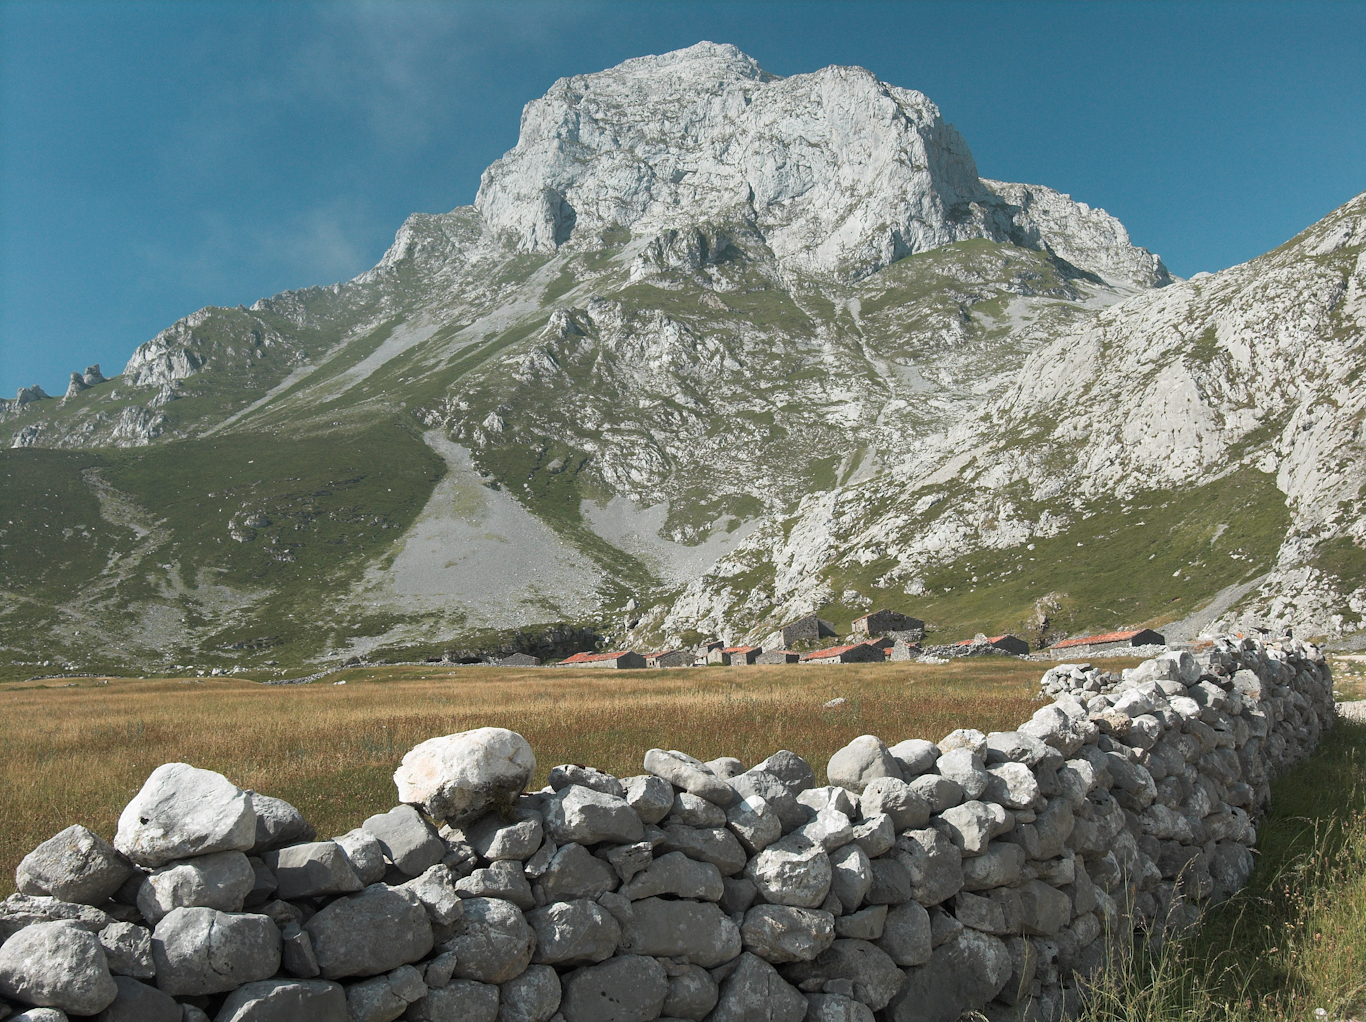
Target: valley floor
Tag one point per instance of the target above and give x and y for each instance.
(79, 753)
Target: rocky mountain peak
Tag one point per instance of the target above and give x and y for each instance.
(840, 172)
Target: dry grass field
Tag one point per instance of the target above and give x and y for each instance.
(77, 754)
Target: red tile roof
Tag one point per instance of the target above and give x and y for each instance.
(589, 658)
(1087, 640)
(994, 638)
(739, 649)
(832, 651)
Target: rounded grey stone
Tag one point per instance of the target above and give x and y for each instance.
(138, 1002)
(373, 931)
(493, 941)
(57, 965)
(74, 865)
(534, 996)
(783, 933)
(628, 988)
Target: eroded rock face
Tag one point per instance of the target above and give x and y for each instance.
(182, 812)
(57, 965)
(458, 777)
(75, 865)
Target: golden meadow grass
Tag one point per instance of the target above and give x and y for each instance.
(78, 754)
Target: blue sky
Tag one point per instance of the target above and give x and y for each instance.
(156, 158)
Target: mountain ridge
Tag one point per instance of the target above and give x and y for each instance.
(704, 415)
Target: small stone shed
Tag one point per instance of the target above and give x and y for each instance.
(743, 655)
(1111, 640)
(879, 622)
(519, 660)
(778, 656)
(808, 627)
(1012, 644)
(669, 658)
(859, 653)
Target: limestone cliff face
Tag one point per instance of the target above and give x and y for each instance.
(841, 173)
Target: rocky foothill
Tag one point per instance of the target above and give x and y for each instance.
(983, 871)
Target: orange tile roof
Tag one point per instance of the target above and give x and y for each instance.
(1087, 640)
(739, 649)
(832, 651)
(588, 658)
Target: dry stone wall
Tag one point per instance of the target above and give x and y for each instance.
(979, 871)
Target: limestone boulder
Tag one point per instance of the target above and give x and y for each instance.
(754, 992)
(285, 1000)
(565, 774)
(778, 795)
(939, 793)
(128, 950)
(783, 933)
(875, 977)
(691, 776)
(1012, 785)
(460, 1000)
(496, 839)
(692, 994)
(933, 862)
(792, 871)
(627, 988)
(409, 842)
(966, 769)
(697, 931)
(204, 951)
(384, 998)
(436, 889)
(586, 816)
(676, 874)
(573, 933)
(57, 965)
(755, 823)
(574, 872)
(693, 811)
(836, 1008)
(220, 880)
(851, 876)
(375, 930)
(277, 824)
(715, 845)
(534, 996)
(963, 973)
(76, 865)
(861, 761)
(138, 1002)
(311, 870)
(365, 854)
(968, 826)
(893, 796)
(182, 812)
(22, 910)
(906, 935)
(492, 942)
(791, 769)
(916, 756)
(651, 797)
(460, 777)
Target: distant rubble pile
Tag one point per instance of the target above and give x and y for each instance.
(982, 872)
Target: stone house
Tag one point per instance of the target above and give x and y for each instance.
(859, 653)
(669, 658)
(1110, 640)
(778, 656)
(1005, 643)
(880, 622)
(621, 659)
(519, 660)
(717, 656)
(808, 627)
(742, 655)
